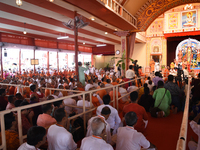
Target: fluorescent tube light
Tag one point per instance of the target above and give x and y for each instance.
(63, 37)
(99, 45)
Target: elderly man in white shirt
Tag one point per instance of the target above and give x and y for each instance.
(193, 145)
(128, 138)
(105, 113)
(130, 74)
(114, 119)
(132, 87)
(58, 137)
(96, 140)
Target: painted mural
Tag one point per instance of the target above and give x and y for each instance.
(173, 21)
(189, 19)
(157, 26)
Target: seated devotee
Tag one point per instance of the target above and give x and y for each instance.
(148, 79)
(11, 102)
(114, 119)
(96, 100)
(58, 137)
(193, 145)
(47, 91)
(162, 94)
(45, 119)
(87, 107)
(141, 90)
(26, 115)
(102, 92)
(108, 85)
(132, 88)
(157, 78)
(146, 100)
(35, 92)
(105, 113)
(96, 140)
(130, 139)
(175, 91)
(139, 110)
(57, 104)
(89, 85)
(150, 85)
(3, 101)
(19, 96)
(104, 80)
(37, 110)
(12, 138)
(26, 91)
(70, 101)
(11, 89)
(122, 91)
(95, 82)
(62, 93)
(55, 94)
(36, 137)
(17, 103)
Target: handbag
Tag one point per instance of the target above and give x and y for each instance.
(154, 110)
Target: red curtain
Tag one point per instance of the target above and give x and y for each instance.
(130, 47)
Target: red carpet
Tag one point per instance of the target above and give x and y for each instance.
(164, 132)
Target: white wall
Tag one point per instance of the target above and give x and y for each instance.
(139, 54)
(102, 61)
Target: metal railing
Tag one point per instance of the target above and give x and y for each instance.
(181, 144)
(118, 9)
(83, 93)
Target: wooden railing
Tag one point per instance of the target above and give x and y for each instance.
(80, 93)
(181, 144)
(118, 9)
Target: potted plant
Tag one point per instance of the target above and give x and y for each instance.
(122, 62)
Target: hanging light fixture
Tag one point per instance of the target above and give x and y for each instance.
(51, 1)
(19, 2)
(24, 28)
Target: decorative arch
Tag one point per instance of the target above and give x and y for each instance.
(154, 8)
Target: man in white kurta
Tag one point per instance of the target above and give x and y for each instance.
(114, 119)
(128, 138)
(96, 141)
(104, 117)
(58, 137)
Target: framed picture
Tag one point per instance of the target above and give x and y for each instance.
(34, 62)
(189, 19)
